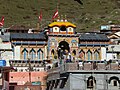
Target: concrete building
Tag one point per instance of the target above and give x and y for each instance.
(95, 75)
(6, 52)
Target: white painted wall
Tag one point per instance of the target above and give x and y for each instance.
(6, 52)
(103, 53)
(17, 52)
(7, 55)
(110, 56)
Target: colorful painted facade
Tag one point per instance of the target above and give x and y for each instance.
(35, 52)
(58, 41)
(63, 39)
(92, 46)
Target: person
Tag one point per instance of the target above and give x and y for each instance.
(69, 57)
(80, 65)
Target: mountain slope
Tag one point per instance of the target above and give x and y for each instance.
(87, 17)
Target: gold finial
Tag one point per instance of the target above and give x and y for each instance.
(58, 19)
(65, 18)
(61, 18)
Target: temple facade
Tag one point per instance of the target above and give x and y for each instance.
(64, 41)
(58, 41)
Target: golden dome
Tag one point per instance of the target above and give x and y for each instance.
(67, 24)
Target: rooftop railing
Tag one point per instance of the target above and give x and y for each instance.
(84, 66)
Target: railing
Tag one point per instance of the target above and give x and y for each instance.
(54, 70)
(84, 66)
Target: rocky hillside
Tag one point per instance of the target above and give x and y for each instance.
(87, 16)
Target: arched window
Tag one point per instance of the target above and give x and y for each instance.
(90, 82)
(32, 54)
(89, 55)
(63, 28)
(114, 80)
(82, 54)
(96, 55)
(25, 54)
(40, 54)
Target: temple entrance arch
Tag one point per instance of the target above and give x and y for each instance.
(63, 45)
(63, 48)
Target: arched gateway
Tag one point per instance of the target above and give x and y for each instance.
(63, 49)
(62, 40)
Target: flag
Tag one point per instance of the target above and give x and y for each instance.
(40, 16)
(2, 21)
(55, 15)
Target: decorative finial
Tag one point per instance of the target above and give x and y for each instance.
(61, 18)
(65, 18)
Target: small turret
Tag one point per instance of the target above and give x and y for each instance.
(61, 26)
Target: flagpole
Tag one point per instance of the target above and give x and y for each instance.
(40, 21)
(58, 6)
(58, 1)
(40, 25)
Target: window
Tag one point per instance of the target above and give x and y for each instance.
(114, 82)
(40, 54)
(63, 28)
(70, 29)
(32, 54)
(96, 55)
(55, 29)
(25, 53)
(89, 53)
(90, 82)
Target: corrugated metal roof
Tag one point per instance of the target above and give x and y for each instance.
(93, 37)
(5, 38)
(29, 36)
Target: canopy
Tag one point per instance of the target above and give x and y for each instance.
(62, 24)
